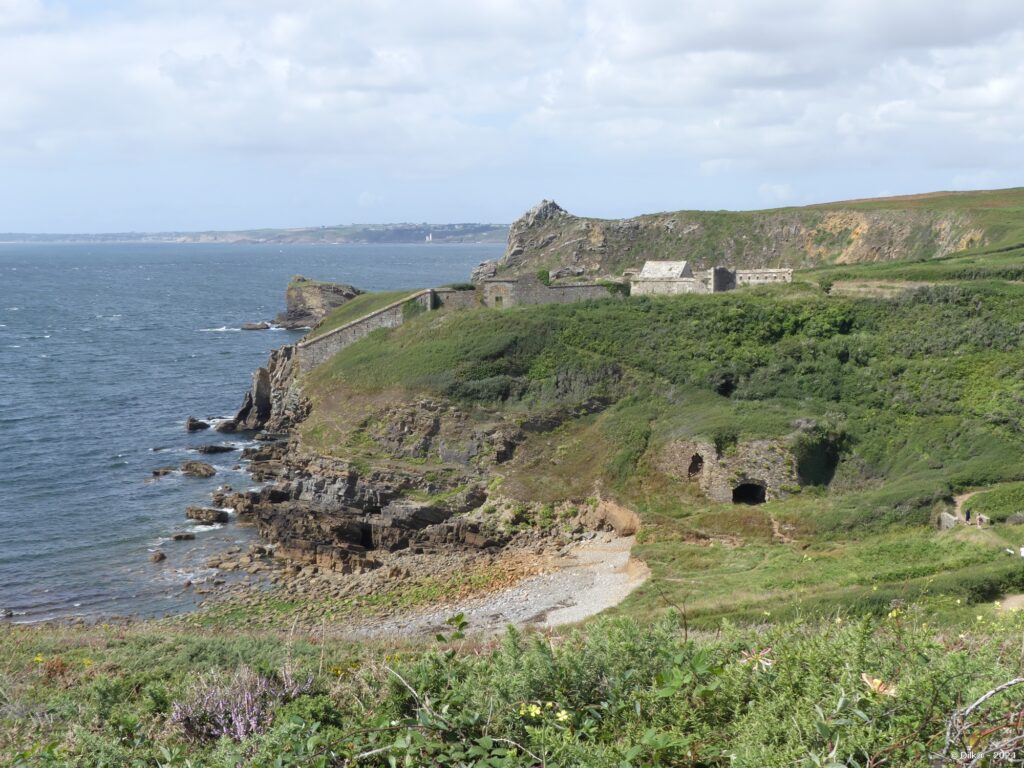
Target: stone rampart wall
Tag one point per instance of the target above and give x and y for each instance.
(313, 352)
(527, 290)
(452, 299)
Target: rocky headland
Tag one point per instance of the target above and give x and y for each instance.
(549, 238)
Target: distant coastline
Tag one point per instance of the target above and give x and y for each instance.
(324, 235)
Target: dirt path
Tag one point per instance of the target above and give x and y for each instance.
(591, 577)
(1012, 603)
(958, 502)
(777, 534)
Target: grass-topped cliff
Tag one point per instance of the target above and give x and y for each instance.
(885, 229)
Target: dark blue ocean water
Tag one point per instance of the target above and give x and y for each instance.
(104, 350)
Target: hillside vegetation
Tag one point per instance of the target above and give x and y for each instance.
(914, 398)
(863, 231)
(833, 625)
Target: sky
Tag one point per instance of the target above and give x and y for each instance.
(157, 115)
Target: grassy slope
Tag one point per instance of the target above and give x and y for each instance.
(357, 308)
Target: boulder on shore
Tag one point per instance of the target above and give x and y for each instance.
(195, 425)
(157, 556)
(261, 326)
(162, 471)
(198, 469)
(228, 425)
(207, 515)
(215, 448)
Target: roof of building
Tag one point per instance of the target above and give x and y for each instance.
(665, 270)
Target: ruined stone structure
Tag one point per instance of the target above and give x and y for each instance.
(747, 473)
(501, 292)
(673, 278)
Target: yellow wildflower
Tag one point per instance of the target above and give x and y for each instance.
(562, 716)
(87, 662)
(877, 686)
(39, 658)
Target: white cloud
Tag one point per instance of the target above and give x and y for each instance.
(776, 94)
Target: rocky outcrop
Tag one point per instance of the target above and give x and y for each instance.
(198, 469)
(195, 425)
(333, 514)
(307, 302)
(274, 401)
(215, 448)
(548, 238)
(441, 431)
(207, 515)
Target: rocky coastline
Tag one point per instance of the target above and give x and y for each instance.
(334, 529)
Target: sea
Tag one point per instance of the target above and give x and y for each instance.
(105, 349)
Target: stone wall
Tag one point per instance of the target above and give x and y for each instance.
(529, 290)
(449, 298)
(665, 287)
(313, 352)
(763, 276)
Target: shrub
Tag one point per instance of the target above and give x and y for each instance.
(240, 709)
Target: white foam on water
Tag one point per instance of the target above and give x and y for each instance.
(200, 528)
(222, 329)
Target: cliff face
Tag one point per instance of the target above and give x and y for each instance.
(307, 302)
(548, 237)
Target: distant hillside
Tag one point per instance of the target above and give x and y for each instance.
(883, 229)
(345, 233)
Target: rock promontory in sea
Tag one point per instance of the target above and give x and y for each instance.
(307, 301)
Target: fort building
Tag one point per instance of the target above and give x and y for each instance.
(671, 278)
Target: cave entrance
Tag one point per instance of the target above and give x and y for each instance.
(696, 465)
(748, 493)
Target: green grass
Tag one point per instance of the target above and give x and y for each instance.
(625, 693)
(361, 305)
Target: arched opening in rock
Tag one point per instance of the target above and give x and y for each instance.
(748, 493)
(696, 465)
